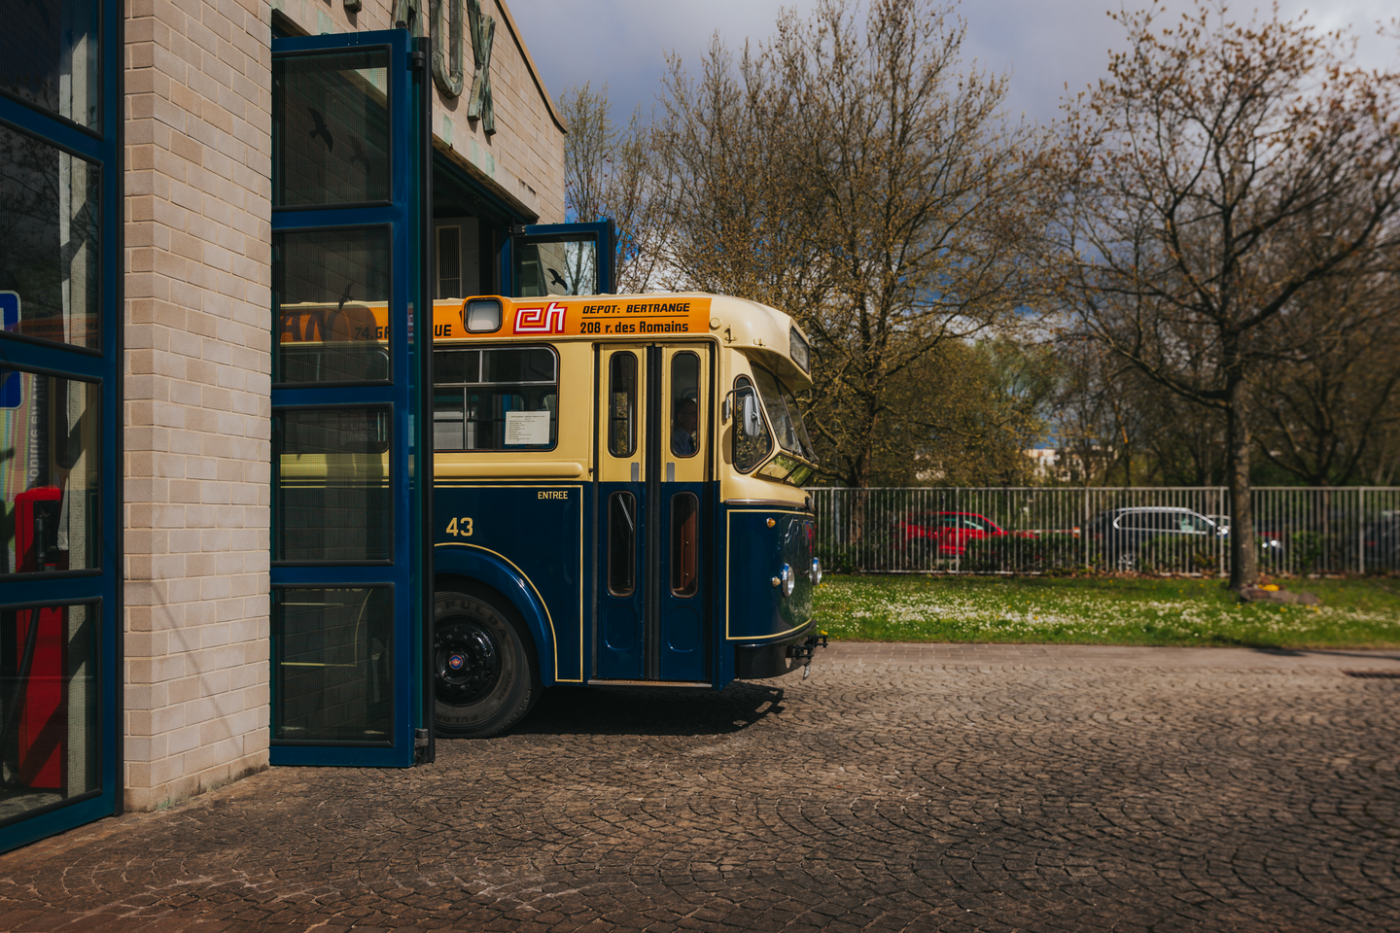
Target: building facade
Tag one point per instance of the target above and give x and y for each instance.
(167, 192)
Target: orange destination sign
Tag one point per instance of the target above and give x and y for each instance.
(546, 317)
(595, 315)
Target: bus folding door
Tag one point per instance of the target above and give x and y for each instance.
(655, 451)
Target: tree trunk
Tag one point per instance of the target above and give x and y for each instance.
(860, 480)
(1244, 558)
(862, 466)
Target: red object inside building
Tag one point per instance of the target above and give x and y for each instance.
(42, 728)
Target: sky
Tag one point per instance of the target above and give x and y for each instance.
(1044, 44)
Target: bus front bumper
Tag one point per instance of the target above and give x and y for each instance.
(756, 662)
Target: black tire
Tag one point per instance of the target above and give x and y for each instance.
(485, 678)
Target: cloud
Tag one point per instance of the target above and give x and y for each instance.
(1044, 44)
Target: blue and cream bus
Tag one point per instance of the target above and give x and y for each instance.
(618, 498)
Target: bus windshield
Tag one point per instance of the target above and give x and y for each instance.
(784, 415)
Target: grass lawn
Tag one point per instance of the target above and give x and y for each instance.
(1356, 613)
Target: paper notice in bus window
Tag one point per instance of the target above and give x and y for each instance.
(527, 427)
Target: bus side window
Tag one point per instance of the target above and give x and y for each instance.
(684, 550)
(497, 398)
(685, 404)
(622, 408)
(622, 543)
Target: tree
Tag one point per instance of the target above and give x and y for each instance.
(608, 174)
(1219, 175)
(964, 415)
(1325, 417)
(862, 179)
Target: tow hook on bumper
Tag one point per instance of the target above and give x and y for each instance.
(806, 651)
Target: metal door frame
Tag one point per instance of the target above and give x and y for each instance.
(409, 574)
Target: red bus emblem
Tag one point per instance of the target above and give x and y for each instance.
(548, 320)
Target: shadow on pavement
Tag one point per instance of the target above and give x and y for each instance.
(650, 710)
(1383, 656)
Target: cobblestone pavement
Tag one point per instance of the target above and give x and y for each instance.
(900, 788)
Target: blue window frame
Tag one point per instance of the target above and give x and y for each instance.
(349, 569)
(60, 405)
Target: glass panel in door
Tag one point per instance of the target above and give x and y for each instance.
(332, 121)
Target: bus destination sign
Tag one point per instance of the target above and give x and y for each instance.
(585, 317)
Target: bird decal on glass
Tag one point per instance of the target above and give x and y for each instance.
(557, 279)
(320, 129)
(359, 155)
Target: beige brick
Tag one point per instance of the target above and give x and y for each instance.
(197, 81)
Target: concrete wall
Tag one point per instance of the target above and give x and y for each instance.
(524, 161)
(198, 333)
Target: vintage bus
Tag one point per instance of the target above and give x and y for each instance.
(617, 495)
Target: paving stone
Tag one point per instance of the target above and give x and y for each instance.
(902, 787)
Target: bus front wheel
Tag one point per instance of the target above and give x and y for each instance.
(484, 676)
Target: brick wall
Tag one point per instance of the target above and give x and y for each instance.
(198, 333)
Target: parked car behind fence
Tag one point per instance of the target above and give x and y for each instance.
(948, 534)
(1149, 537)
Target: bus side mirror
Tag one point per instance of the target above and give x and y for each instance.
(750, 419)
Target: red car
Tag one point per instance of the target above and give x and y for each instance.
(950, 531)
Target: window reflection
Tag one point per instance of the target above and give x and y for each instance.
(749, 451)
(48, 707)
(685, 552)
(622, 405)
(622, 543)
(49, 264)
(331, 488)
(331, 290)
(685, 404)
(565, 268)
(331, 116)
(48, 472)
(49, 57)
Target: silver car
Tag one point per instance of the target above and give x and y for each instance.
(1121, 533)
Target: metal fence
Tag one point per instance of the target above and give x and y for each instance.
(1298, 531)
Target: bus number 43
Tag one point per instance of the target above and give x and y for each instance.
(460, 528)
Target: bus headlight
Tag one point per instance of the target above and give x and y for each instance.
(788, 579)
(816, 571)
